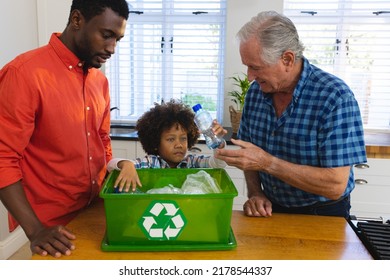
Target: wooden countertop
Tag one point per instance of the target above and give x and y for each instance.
(377, 144)
(280, 237)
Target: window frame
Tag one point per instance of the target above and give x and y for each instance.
(166, 16)
(348, 19)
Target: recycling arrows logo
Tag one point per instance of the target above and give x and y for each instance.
(162, 220)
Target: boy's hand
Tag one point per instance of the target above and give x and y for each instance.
(128, 177)
(218, 129)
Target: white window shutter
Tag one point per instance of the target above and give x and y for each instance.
(171, 49)
(351, 39)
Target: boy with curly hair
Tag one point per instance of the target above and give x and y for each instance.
(166, 133)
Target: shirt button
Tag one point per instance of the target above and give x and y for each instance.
(70, 67)
(89, 134)
(90, 158)
(80, 64)
(88, 108)
(93, 182)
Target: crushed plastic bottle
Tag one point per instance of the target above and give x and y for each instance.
(204, 122)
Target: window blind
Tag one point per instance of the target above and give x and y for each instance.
(171, 49)
(351, 39)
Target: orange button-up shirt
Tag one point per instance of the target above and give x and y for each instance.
(54, 131)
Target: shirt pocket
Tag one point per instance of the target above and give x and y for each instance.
(300, 148)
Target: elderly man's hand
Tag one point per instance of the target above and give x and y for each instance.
(249, 157)
(258, 206)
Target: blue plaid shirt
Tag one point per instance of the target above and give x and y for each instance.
(321, 127)
(189, 161)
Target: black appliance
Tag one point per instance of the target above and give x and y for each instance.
(375, 235)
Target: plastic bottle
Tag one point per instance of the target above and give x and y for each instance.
(204, 122)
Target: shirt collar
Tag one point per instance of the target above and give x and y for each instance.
(306, 71)
(164, 164)
(70, 60)
(183, 163)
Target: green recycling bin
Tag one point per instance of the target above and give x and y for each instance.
(168, 222)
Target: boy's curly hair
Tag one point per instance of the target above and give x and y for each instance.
(162, 117)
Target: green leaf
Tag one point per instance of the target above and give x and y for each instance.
(239, 95)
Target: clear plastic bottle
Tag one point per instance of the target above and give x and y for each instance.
(204, 122)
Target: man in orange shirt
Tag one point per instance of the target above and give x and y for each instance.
(54, 125)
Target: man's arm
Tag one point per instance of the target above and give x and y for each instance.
(53, 241)
(257, 203)
(327, 182)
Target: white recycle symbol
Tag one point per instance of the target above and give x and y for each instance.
(163, 230)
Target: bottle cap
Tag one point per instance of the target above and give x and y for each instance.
(197, 107)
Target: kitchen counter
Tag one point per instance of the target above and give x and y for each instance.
(377, 139)
(377, 144)
(280, 237)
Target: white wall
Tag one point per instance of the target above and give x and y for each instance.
(52, 17)
(18, 28)
(238, 13)
(27, 24)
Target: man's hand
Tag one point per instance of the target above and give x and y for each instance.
(249, 157)
(258, 206)
(54, 241)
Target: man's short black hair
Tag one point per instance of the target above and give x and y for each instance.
(92, 8)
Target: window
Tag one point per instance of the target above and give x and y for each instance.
(171, 49)
(351, 39)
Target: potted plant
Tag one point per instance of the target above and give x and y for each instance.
(238, 97)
